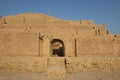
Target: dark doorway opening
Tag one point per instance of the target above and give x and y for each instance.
(58, 48)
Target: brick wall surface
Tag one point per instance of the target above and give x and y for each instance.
(101, 45)
(23, 64)
(93, 63)
(18, 43)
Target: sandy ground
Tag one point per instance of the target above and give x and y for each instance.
(69, 76)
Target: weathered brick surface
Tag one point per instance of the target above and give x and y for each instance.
(87, 46)
(23, 64)
(56, 67)
(93, 63)
(18, 43)
(100, 45)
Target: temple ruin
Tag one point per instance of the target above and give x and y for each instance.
(33, 42)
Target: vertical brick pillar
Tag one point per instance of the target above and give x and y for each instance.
(69, 51)
(46, 47)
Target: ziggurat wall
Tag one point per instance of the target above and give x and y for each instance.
(28, 41)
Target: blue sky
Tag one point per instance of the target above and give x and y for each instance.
(101, 11)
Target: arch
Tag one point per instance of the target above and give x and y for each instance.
(58, 48)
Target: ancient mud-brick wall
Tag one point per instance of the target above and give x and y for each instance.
(18, 44)
(117, 45)
(25, 42)
(92, 63)
(23, 64)
(99, 45)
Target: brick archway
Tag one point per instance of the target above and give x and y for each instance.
(58, 48)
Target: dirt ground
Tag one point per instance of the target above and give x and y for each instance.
(95, 75)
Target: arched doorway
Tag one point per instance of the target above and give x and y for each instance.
(58, 48)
